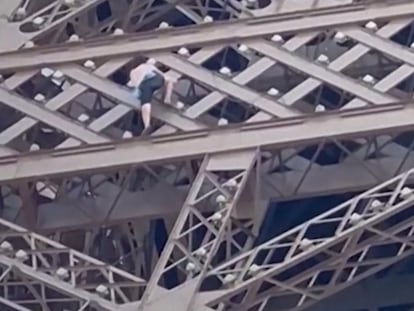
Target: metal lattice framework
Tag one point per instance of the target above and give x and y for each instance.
(358, 229)
(217, 181)
(332, 82)
(301, 267)
(37, 271)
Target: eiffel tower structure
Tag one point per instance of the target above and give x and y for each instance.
(279, 178)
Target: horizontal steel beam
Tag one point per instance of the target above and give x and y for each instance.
(234, 31)
(71, 213)
(274, 134)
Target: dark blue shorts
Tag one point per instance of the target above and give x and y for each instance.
(148, 87)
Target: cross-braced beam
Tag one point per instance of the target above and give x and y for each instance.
(47, 23)
(50, 116)
(201, 35)
(52, 15)
(263, 54)
(272, 134)
(354, 174)
(363, 236)
(178, 122)
(57, 269)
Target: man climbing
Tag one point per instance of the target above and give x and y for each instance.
(146, 78)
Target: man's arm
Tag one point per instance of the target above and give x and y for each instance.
(169, 86)
(168, 90)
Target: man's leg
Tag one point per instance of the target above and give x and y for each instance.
(148, 88)
(146, 96)
(168, 92)
(146, 115)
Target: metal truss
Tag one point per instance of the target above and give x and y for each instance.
(83, 18)
(209, 34)
(351, 248)
(14, 270)
(90, 193)
(286, 173)
(54, 16)
(268, 135)
(61, 20)
(304, 265)
(355, 171)
(75, 131)
(37, 271)
(266, 106)
(202, 76)
(220, 181)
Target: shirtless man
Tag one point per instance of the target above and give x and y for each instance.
(146, 78)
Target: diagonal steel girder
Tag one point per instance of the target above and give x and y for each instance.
(265, 63)
(213, 81)
(37, 112)
(353, 230)
(347, 272)
(216, 33)
(294, 95)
